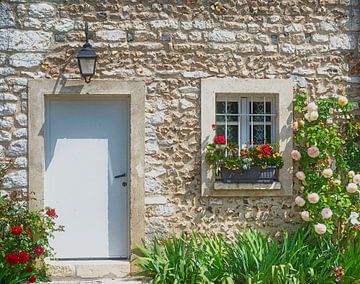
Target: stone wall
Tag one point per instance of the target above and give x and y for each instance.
(171, 45)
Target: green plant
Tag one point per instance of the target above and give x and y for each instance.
(250, 258)
(24, 240)
(325, 134)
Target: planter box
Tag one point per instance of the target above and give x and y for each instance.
(254, 174)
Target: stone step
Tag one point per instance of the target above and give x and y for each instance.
(89, 269)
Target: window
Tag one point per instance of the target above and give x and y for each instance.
(246, 120)
(247, 111)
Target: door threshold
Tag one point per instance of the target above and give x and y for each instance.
(89, 268)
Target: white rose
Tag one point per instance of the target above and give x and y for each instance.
(300, 175)
(305, 215)
(352, 187)
(356, 179)
(320, 229)
(327, 173)
(311, 107)
(299, 201)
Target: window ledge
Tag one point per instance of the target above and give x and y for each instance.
(247, 186)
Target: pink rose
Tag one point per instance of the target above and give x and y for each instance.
(299, 201)
(305, 215)
(320, 229)
(356, 179)
(326, 213)
(313, 198)
(313, 152)
(295, 154)
(336, 182)
(300, 175)
(352, 187)
(327, 173)
(311, 107)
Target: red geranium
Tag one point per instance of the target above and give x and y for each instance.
(12, 258)
(51, 212)
(220, 140)
(23, 257)
(29, 269)
(32, 279)
(266, 149)
(17, 230)
(213, 126)
(39, 250)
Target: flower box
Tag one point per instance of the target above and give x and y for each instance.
(252, 175)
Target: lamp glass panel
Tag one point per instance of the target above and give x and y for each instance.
(87, 66)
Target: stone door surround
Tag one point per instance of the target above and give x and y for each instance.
(38, 90)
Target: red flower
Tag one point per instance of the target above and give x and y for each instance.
(213, 126)
(51, 212)
(29, 269)
(220, 140)
(29, 233)
(39, 250)
(266, 149)
(17, 230)
(12, 258)
(23, 257)
(32, 279)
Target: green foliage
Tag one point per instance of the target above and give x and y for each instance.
(24, 240)
(333, 131)
(250, 258)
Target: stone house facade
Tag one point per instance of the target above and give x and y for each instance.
(162, 54)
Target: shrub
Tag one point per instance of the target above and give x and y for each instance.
(24, 240)
(328, 159)
(250, 258)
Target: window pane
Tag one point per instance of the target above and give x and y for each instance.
(258, 137)
(232, 107)
(220, 107)
(220, 118)
(220, 130)
(258, 108)
(233, 133)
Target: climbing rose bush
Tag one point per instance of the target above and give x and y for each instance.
(327, 159)
(24, 241)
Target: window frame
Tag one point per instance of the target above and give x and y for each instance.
(244, 122)
(282, 91)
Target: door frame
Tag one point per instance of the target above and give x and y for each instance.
(135, 91)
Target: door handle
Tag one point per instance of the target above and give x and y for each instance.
(119, 176)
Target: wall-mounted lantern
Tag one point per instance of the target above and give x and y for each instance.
(87, 58)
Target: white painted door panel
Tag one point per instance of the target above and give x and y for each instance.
(86, 146)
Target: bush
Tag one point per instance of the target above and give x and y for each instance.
(24, 239)
(250, 258)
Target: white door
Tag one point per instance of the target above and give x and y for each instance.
(86, 143)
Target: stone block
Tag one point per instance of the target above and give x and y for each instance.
(25, 40)
(17, 148)
(41, 10)
(343, 42)
(195, 74)
(16, 179)
(149, 200)
(21, 119)
(6, 122)
(222, 36)
(111, 35)
(7, 108)
(26, 60)
(7, 19)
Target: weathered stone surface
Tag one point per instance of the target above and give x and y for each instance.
(7, 19)
(25, 59)
(21, 119)
(6, 122)
(24, 40)
(16, 179)
(17, 148)
(115, 35)
(5, 136)
(222, 36)
(41, 10)
(343, 41)
(20, 133)
(20, 163)
(7, 108)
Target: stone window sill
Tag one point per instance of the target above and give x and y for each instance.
(218, 185)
